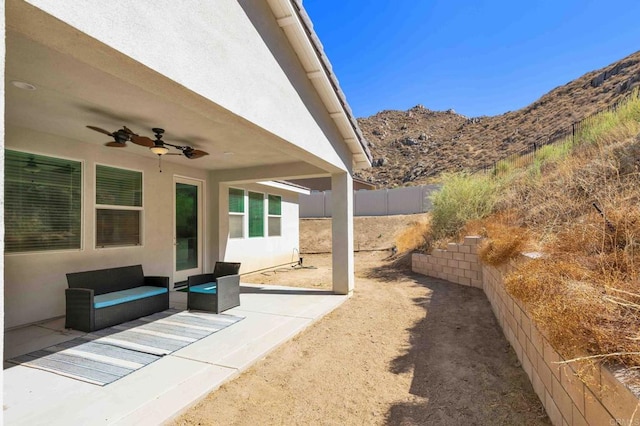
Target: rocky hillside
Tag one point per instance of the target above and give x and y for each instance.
(413, 147)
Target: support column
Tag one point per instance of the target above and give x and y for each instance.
(218, 224)
(342, 233)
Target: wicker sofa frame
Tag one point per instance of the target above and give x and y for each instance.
(227, 296)
(83, 286)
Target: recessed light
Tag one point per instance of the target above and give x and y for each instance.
(228, 153)
(22, 85)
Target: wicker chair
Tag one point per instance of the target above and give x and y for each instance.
(215, 292)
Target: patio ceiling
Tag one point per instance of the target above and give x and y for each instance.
(81, 82)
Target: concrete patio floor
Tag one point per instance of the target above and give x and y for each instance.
(160, 390)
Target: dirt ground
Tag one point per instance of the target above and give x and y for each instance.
(404, 350)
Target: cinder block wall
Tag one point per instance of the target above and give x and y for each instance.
(458, 264)
(602, 397)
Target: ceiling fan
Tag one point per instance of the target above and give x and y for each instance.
(157, 146)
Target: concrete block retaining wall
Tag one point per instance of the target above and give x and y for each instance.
(600, 398)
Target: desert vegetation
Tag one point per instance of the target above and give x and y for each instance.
(577, 203)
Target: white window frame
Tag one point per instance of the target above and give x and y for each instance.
(82, 205)
(242, 214)
(265, 215)
(269, 216)
(97, 207)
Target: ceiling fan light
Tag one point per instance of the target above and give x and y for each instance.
(159, 150)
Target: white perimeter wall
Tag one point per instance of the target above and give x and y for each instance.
(380, 202)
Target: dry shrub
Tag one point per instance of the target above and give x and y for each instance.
(415, 237)
(585, 293)
(578, 312)
(503, 243)
(584, 235)
(473, 227)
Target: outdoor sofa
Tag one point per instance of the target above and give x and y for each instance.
(215, 292)
(102, 298)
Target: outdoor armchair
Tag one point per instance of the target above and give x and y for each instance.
(215, 292)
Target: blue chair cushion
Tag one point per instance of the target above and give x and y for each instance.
(206, 288)
(122, 296)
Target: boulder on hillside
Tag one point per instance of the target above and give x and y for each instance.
(379, 162)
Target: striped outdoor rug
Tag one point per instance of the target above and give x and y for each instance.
(107, 355)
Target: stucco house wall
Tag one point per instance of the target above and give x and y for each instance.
(35, 282)
(230, 76)
(236, 43)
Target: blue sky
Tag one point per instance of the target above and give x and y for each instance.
(479, 57)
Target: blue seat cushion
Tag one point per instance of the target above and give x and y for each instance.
(122, 296)
(206, 288)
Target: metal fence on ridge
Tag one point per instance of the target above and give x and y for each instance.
(526, 156)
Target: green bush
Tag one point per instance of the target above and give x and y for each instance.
(601, 127)
(462, 198)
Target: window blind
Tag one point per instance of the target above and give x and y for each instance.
(275, 205)
(236, 200)
(256, 214)
(275, 213)
(118, 187)
(119, 207)
(43, 202)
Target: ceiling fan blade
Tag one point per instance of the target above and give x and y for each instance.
(142, 140)
(194, 154)
(128, 130)
(116, 144)
(98, 129)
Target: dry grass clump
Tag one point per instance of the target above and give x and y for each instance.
(415, 237)
(544, 286)
(502, 243)
(581, 312)
(584, 210)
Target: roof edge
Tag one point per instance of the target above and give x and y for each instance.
(284, 11)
